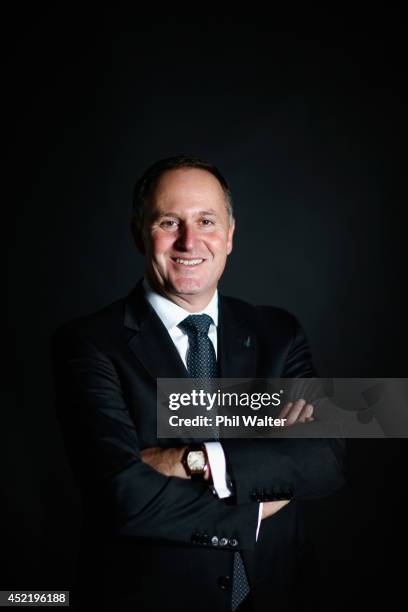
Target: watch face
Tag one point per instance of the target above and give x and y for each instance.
(196, 461)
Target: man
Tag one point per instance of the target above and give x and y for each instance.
(154, 536)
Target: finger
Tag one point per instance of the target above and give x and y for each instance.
(306, 413)
(295, 411)
(147, 454)
(285, 410)
(270, 508)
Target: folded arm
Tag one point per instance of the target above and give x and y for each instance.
(102, 445)
(283, 468)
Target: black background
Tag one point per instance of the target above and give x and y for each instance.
(307, 126)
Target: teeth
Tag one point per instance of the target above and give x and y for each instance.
(189, 262)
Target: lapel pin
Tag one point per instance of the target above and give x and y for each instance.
(247, 342)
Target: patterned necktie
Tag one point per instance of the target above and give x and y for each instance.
(201, 359)
(202, 364)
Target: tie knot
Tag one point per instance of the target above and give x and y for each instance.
(196, 324)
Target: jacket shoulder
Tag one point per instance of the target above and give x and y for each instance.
(262, 315)
(94, 325)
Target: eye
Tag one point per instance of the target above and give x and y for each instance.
(169, 224)
(207, 222)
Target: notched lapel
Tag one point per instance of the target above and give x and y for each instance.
(238, 344)
(151, 344)
(155, 351)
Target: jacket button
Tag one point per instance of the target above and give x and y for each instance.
(223, 542)
(224, 582)
(205, 539)
(233, 542)
(214, 541)
(195, 538)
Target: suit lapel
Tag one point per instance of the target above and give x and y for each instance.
(237, 343)
(155, 350)
(151, 343)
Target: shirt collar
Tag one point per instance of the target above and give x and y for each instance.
(171, 314)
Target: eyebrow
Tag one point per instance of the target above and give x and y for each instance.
(210, 211)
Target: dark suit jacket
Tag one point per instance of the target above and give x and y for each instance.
(148, 539)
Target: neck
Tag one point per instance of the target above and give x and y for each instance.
(190, 302)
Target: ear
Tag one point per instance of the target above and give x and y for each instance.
(137, 237)
(231, 231)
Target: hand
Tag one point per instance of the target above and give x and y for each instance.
(167, 461)
(297, 412)
(270, 508)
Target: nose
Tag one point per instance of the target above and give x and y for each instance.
(186, 239)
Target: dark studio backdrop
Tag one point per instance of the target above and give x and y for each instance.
(307, 129)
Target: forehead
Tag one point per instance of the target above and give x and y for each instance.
(187, 188)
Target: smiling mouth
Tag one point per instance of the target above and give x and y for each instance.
(188, 262)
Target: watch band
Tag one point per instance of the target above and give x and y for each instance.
(191, 448)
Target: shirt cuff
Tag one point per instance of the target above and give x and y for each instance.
(216, 459)
(259, 521)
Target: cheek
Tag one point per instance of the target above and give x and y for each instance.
(160, 245)
(219, 246)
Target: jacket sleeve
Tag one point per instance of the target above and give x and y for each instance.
(120, 492)
(285, 468)
(270, 470)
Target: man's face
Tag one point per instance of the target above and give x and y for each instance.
(187, 236)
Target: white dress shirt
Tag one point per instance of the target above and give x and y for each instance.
(171, 315)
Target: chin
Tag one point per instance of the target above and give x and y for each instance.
(188, 287)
